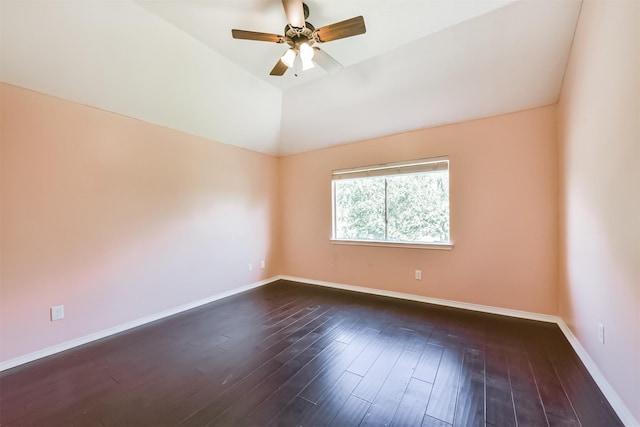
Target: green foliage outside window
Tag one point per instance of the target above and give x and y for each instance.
(399, 208)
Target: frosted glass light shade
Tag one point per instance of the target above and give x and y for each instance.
(306, 55)
(288, 58)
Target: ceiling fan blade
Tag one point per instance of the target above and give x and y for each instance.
(295, 12)
(279, 69)
(342, 29)
(252, 35)
(326, 61)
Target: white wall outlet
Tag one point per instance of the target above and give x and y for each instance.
(601, 333)
(262, 264)
(250, 267)
(418, 274)
(57, 312)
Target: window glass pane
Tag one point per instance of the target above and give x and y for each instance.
(359, 209)
(418, 207)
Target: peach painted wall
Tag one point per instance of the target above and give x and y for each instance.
(118, 219)
(504, 211)
(599, 138)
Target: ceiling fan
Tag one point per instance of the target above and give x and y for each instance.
(301, 36)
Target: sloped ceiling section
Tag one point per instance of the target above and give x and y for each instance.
(508, 60)
(117, 56)
(421, 63)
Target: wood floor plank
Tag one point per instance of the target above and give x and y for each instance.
(271, 406)
(240, 411)
(330, 372)
(429, 363)
(470, 404)
(331, 402)
(429, 421)
(590, 404)
(288, 354)
(526, 399)
(388, 398)
(376, 375)
(292, 413)
(413, 404)
(214, 408)
(364, 361)
(351, 413)
(499, 404)
(442, 403)
(417, 340)
(499, 397)
(552, 393)
(217, 406)
(309, 316)
(321, 353)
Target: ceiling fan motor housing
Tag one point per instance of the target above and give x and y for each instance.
(294, 36)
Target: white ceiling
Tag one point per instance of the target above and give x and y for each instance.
(421, 63)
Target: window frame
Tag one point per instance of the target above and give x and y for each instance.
(386, 170)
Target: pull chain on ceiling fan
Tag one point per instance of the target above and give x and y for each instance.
(301, 36)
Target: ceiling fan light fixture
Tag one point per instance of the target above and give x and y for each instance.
(300, 37)
(306, 55)
(306, 51)
(307, 64)
(288, 58)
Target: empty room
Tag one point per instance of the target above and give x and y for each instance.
(346, 213)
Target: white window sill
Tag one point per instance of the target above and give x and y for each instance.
(406, 245)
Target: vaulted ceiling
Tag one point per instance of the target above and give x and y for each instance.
(421, 63)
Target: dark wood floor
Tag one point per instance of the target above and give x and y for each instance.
(289, 354)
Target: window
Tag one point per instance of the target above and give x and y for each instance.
(402, 203)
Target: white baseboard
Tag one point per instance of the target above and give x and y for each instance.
(437, 301)
(614, 399)
(20, 360)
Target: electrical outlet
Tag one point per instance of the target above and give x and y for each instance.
(418, 274)
(601, 333)
(57, 312)
(250, 267)
(262, 264)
